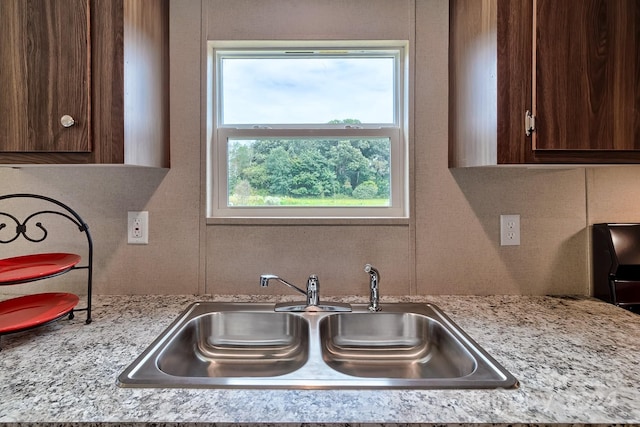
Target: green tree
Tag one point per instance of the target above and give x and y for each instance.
(257, 176)
(349, 163)
(278, 169)
(312, 174)
(240, 154)
(242, 192)
(366, 190)
(310, 167)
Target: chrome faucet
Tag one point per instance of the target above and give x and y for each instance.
(374, 282)
(312, 293)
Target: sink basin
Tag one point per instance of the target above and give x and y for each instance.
(237, 344)
(249, 345)
(394, 345)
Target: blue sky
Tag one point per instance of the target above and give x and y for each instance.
(309, 90)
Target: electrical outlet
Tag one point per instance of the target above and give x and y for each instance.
(509, 230)
(138, 228)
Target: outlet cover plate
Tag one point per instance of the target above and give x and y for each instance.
(138, 228)
(509, 230)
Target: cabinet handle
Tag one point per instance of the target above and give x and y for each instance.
(67, 121)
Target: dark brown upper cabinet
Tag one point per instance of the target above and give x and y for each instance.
(84, 82)
(573, 64)
(44, 76)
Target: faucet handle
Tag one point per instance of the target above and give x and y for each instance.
(313, 290)
(313, 281)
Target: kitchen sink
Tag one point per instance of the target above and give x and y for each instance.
(237, 344)
(249, 345)
(394, 345)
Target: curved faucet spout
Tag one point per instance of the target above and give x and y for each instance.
(264, 282)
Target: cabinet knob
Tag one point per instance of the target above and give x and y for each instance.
(67, 121)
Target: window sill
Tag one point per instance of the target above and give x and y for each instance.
(310, 221)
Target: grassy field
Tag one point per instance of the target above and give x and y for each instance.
(287, 201)
(307, 202)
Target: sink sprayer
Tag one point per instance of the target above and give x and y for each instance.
(374, 281)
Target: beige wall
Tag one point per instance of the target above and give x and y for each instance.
(614, 194)
(451, 244)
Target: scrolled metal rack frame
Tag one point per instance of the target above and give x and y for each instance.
(23, 229)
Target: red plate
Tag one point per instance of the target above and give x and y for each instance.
(34, 267)
(26, 312)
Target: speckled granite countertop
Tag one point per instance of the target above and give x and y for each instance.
(576, 359)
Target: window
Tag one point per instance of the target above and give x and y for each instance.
(307, 132)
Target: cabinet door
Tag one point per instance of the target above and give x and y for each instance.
(587, 75)
(44, 75)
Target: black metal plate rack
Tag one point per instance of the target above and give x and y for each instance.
(33, 230)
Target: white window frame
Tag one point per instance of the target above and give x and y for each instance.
(218, 135)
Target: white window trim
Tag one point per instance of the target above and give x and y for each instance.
(217, 136)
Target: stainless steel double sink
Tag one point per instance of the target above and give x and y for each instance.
(249, 345)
